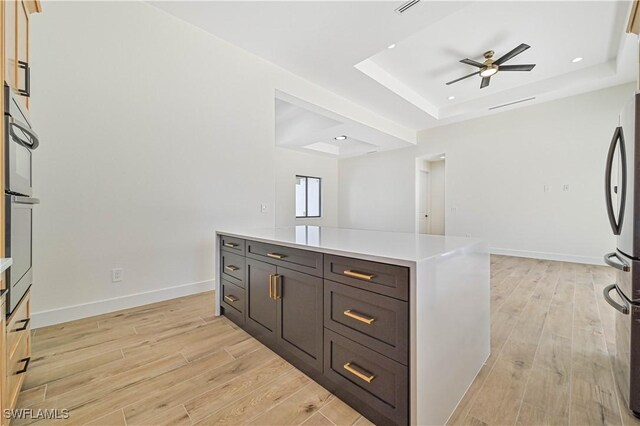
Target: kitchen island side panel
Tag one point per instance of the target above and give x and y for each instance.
(451, 330)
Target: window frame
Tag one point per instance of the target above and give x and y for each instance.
(306, 197)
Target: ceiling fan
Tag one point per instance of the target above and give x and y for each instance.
(491, 67)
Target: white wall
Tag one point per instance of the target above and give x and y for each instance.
(437, 195)
(155, 134)
(496, 169)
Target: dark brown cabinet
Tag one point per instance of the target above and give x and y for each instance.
(342, 321)
(300, 316)
(285, 307)
(262, 309)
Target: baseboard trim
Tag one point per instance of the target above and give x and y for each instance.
(548, 256)
(99, 307)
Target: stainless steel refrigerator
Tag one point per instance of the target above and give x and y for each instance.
(622, 184)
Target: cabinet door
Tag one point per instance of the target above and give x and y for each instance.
(22, 47)
(261, 307)
(10, 18)
(300, 316)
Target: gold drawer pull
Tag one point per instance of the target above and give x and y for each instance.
(231, 268)
(360, 275)
(276, 255)
(270, 286)
(358, 317)
(232, 245)
(276, 283)
(366, 376)
(231, 299)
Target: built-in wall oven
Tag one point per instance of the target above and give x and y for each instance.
(20, 142)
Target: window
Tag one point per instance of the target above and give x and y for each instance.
(307, 196)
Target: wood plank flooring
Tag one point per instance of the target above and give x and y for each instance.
(551, 337)
(173, 363)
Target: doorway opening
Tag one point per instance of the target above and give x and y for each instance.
(430, 194)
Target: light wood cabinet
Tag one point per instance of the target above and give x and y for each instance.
(10, 53)
(3, 361)
(16, 45)
(15, 331)
(17, 350)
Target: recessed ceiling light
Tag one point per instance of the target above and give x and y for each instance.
(340, 138)
(451, 98)
(391, 46)
(578, 59)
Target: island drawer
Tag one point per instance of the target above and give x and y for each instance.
(375, 321)
(232, 244)
(18, 326)
(374, 379)
(381, 278)
(233, 296)
(233, 268)
(308, 262)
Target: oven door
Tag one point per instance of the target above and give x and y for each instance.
(18, 240)
(20, 141)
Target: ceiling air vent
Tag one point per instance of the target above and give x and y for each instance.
(512, 103)
(405, 6)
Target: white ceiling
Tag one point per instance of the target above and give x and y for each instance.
(303, 127)
(342, 45)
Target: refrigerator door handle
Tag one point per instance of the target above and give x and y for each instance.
(622, 308)
(621, 265)
(618, 138)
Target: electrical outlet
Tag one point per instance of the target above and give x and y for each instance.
(467, 235)
(546, 188)
(565, 187)
(264, 208)
(116, 275)
(453, 209)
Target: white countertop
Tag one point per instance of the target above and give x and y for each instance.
(5, 263)
(374, 244)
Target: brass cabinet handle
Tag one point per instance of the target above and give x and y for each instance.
(270, 286)
(360, 275)
(231, 299)
(276, 295)
(358, 317)
(231, 268)
(366, 376)
(276, 255)
(232, 245)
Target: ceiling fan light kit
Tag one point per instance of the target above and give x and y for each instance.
(489, 67)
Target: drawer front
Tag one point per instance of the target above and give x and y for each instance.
(232, 244)
(370, 377)
(18, 325)
(233, 296)
(304, 261)
(16, 370)
(380, 278)
(233, 268)
(378, 322)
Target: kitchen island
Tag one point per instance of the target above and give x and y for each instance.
(395, 324)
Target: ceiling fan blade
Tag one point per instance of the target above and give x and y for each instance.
(524, 67)
(518, 50)
(485, 82)
(472, 63)
(462, 78)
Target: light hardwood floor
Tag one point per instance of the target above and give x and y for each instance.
(173, 363)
